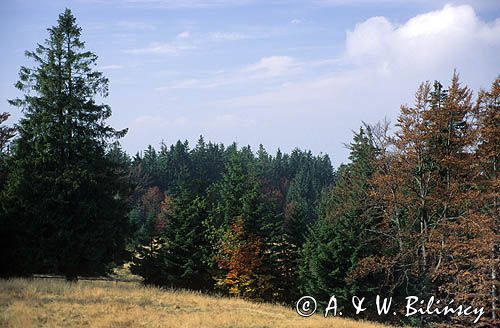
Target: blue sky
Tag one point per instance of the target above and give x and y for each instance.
(279, 73)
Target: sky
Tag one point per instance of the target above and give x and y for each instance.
(284, 74)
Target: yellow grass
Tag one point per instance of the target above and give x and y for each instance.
(56, 303)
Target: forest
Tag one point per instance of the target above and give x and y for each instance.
(414, 212)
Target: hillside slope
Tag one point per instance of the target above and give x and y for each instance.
(56, 303)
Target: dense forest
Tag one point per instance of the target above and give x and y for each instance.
(414, 212)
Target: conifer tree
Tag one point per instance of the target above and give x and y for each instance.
(242, 218)
(342, 237)
(437, 233)
(481, 251)
(6, 233)
(175, 252)
(6, 134)
(65, 197)
(147, 259)
(488, 153)
(184, 255)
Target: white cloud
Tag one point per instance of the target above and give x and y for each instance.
(161, 48)
(157, 121)
(183, 35)
(110, 67)
(438, 38)
(272, 66)
(296, 21)
(228, 36)
(181, 84)
(266, 69)
(135, 25)
(231, 121)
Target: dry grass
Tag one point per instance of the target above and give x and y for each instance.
(56, 303)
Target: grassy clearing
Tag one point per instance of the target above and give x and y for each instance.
(57, 303)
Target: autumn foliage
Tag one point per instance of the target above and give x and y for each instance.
(438, 187)
(241, 259)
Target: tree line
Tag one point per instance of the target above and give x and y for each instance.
(414, 212)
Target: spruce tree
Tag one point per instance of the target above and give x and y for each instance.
(6, 134)
(65, 197)
(185, 252)
(341, 237)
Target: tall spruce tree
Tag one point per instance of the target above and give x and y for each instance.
(65, 197)
(185, 252)
(341, 237)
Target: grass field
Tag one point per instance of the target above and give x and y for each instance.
(57, 303)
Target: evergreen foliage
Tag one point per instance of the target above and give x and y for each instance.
(65, 199)
(342, 236)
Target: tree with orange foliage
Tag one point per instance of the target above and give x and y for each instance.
(437, 236)
(485, 195)
(241, 259)
(403, 186)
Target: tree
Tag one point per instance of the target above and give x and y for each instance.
(147, 258)
(240, 227)
(65, 197)
(489, 159)
(6, 134)
(484, 259)
(185, 251)
(175, 255)
(145, 215)
(6, 237)
(342, 237)
(436, 190)
(241, 259)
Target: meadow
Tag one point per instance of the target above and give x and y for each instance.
(56, 303)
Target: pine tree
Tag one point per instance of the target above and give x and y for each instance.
(65, 198)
